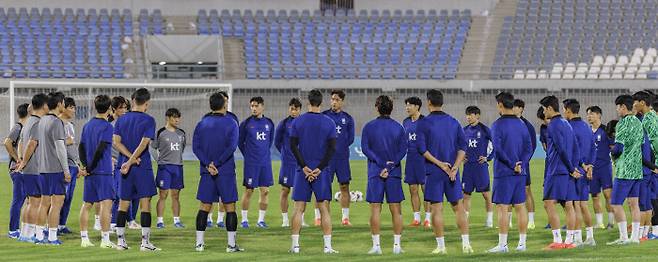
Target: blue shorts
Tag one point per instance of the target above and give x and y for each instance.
(414, 173)
(32, 185)
(645, 194)
(53, 184)
(509, 190)
(582, 188)
(560, 188)
(257, 176)
(287, 174)
(390, 186)
(213, 188)
(475, 178)
(624, 188)
(439, 184)
(340, 167)
(170, 177)
(601, 179)
(653, 187)
(137, 184)
(98, 188)
(321, 187)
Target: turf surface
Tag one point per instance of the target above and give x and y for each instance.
(272, 244)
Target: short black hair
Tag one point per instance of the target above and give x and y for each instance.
(117, 101)
(173, 112)
(338, 92)
(540, 113)
(519, 103)
(141, 96)
(54, 99)
(257, 99)
(69, 101)
(435, 97)
(102, 103)
(572, 104)
(506, 99)
(295, 102)
(21, 110)
(625, 100)
(224, 94)
(595, 109)
(315, 97)
(39, 100)
(552, 102)
(217, 101)
(414, 100)
(643, 96)
(654, 104)
(472, 110)
(610, 128)
(384, 105)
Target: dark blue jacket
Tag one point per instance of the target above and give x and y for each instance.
(382, 140)
(512, 144)
(215, 140)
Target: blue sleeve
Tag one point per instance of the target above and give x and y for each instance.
(617, 150)
(532, 133)
(149, 129)
(271, 134)
(365, 148)
(561, 145)
(197, 141)
(461, 138)
(420, 137)
(242, 135)
(498, 147)
(350, 132)
(232, 136)
(528, 149)
(107, 134)
(278, 137)
(487, 135)
(117, 126)
(402, 147)
(592, 152)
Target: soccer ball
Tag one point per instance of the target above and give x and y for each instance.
(359, 196)
(337, 196)
(353, 196)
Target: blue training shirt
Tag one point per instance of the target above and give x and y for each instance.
(314, 130)
(255, 139)
(478, 138)
(512, 144)
(585, 141)
(282, 141)
(132, 127)
(382, 140)
(344, 132)
(95, 132)
(215, 140)
(414, 159)
(441, 135)
(602, 145)
(561, 141)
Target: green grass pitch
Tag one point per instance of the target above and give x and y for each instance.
(272, 244)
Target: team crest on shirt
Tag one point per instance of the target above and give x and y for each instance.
(161, 183)
(478, 134)
(249, 181)
(598, 138)
(343, 121)
(285, 180)
(267, 127)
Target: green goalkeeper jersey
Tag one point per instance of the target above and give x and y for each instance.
(629, 133)
(650, 124)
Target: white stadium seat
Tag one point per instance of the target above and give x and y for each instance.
(531, 74)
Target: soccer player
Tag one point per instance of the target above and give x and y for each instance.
(256, 138)
(642, 101)
(512, 150)
(384, 143)
(169, 145)
(288, 163)
(96, 158)
(313, 142)
(441, 140)
(519, 107)
(18, 197)
(602, 173)
(414, 169)
(220, 206)
(559, 184)
(29, 167)
(586, 159)
(340, 164)
(543, 129)
(214, 142)
(73, 158)
(53, 167)
(627, 152)
(476, 166)
(132, 134)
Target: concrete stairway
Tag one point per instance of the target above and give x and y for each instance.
(480, 48)
(234, 63)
